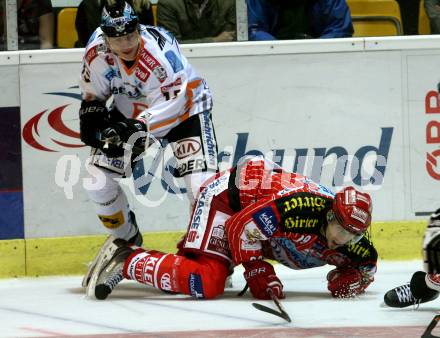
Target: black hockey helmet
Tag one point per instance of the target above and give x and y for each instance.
(118, 18)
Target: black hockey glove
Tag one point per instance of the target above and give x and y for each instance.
(93, 117)
(118, 133)
(431, 244)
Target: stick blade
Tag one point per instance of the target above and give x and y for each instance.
(431, 326)
(281, 314)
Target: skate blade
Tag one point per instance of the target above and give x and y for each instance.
(107, 253)
(86, 279)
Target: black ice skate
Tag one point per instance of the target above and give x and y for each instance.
(92, 266)
(109, 273)
(136, 239)
(412, 293)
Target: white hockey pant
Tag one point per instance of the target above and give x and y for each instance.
(193, 182)
(112, 206)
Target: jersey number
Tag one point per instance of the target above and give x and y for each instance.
(171, 94)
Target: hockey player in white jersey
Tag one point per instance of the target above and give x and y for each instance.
(424, 285)
(155, 90)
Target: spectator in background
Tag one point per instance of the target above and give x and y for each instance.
(303, 19)
(88, 17)
(195, 21)
(2, 26)
(35, 24)
(409, 12)
(432, 8)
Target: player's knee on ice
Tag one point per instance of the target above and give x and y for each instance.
(208, 280)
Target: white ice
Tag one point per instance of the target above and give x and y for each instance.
(57, 306)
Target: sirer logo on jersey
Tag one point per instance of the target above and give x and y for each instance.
(360, 249)
(298, 222)
(266, 221)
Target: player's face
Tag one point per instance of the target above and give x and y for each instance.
(337, 236)
(126, 47)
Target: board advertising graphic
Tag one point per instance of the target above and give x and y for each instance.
(352, 119)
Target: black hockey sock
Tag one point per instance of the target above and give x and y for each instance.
(419, 288)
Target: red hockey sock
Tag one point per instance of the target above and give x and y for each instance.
(152, 268)
(201, 277)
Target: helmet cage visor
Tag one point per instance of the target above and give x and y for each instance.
(344, 232)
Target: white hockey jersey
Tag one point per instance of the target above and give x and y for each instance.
(161, 87)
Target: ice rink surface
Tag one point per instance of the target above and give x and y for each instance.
(57, 307)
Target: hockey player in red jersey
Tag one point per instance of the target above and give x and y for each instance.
(253, 212)
(424, 285)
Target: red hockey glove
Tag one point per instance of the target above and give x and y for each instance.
(260, 277)
(346, 282)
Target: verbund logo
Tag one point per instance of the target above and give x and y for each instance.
(432, 106)
(55, 130)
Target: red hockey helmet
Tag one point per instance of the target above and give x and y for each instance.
(352, 210)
